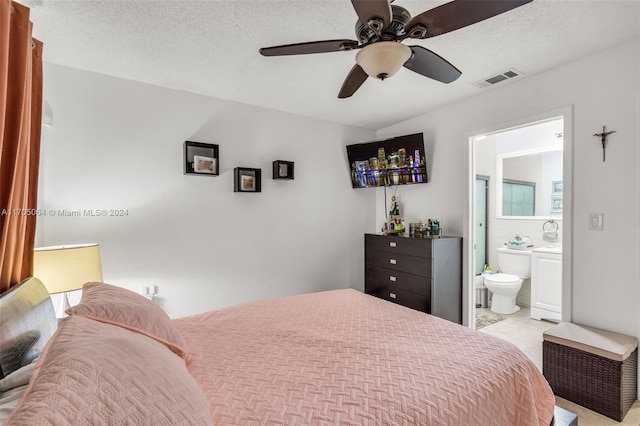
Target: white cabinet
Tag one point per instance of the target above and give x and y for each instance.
(546, 284)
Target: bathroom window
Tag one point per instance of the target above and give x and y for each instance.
(518, 198)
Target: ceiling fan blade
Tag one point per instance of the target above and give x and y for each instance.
(310, 47)
(368, 9)
(425, 62)
(354, 80)
(460, 13)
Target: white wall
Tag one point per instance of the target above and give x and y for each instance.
(602, 90)
(118, 144)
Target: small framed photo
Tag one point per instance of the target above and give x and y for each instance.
(247, 179)
(247, 183)
(204, 164)
(283, 169)
(556, 187)
(201, 159)
(556, 204)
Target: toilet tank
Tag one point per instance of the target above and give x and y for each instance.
(515, 262)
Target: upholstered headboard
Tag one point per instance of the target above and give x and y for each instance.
(27, 322)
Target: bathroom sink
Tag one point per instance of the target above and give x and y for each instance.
(554, 250)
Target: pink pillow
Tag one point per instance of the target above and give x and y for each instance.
(92, 373)
(124, 308)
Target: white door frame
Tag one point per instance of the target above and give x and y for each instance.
(468, 294)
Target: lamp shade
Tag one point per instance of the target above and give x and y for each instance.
(67, 268)
(383, 59)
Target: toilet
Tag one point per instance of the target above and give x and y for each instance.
(515, 266)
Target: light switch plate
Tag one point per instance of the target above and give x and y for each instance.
(596, 221)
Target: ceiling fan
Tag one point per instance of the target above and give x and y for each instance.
(381, 28)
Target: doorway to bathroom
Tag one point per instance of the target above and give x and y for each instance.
(520, 195)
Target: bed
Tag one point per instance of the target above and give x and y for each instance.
(330, 358)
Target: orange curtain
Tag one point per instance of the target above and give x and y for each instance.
(20, 128)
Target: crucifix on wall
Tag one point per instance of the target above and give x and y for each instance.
(603, 138)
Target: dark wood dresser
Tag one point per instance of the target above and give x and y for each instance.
(423, 274)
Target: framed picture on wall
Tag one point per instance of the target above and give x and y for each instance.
(201, 159)
(283, 169)
(556, 187)
(556, 204)
(246, 179)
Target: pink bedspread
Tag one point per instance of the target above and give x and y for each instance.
(345, 358)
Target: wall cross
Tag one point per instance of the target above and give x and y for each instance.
(603, 138)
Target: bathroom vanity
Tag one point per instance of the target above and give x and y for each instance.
(546, 283)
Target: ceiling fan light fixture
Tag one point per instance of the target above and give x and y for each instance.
(383, 59)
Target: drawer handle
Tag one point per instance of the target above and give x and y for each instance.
(392, 278)
(392, 261)
(392, 244)
(392, 295)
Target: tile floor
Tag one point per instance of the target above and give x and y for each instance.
(526, 334)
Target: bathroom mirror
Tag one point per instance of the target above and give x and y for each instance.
(529, 184)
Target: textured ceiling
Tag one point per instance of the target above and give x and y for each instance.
(211, 48)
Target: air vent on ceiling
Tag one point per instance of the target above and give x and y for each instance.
(490, 81)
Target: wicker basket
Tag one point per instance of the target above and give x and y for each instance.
(588, 376)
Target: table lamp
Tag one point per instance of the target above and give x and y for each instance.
(66, 268)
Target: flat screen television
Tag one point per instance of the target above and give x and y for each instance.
(395, 161)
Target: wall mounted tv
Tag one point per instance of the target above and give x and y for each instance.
(395, 161)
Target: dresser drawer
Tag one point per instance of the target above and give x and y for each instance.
(387, 277)
(401, 297)
(399, 262)
(402, 245)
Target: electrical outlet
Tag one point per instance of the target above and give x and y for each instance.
(596, 221)
(149, 292)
